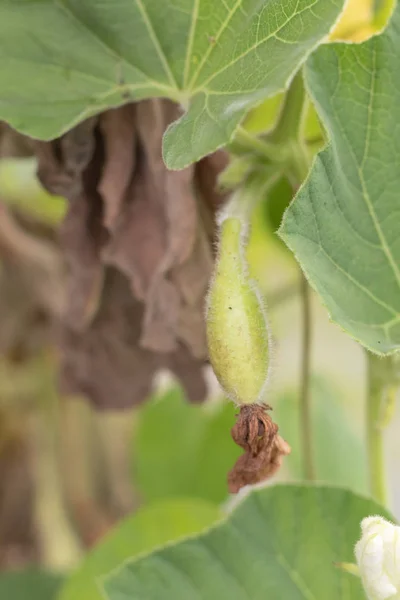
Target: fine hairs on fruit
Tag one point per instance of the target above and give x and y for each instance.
(238, 333)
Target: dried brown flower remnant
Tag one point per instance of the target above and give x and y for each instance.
(264, 449)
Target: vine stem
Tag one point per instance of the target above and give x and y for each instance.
(383, 380)
(251, 143)
(377, 480)
(289, 125)
(285, 146)
(289, 132)
(305, 390)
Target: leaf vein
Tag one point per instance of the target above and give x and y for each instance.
(359, 285)
(216, 39)
(67, 9)
(156, 43)
(341, 270)
(295, 577)
(365, 194)
(256, 45)
(191, 36)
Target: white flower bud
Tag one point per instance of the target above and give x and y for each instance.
(378, 558)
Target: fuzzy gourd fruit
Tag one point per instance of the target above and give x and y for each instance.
(237, 328)
(239, 347)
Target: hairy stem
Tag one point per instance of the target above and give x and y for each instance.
(383, 382)
(305, 389)
(377, 479)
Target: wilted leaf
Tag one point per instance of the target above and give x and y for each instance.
(280, 542)
(106, 364)
(343, 224)
(158, 239)
(215, 61)
(127, 211)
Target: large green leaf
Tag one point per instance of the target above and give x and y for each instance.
(344, 224)
(29, 584)
(279, 543)
(63, 61)
(338, 448)
(181, 449)
(149, 528)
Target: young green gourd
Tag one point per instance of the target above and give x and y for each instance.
(237, 327)
(239, 346)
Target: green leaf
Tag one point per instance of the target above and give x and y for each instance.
(280, 542)
(182, 449)
(343, 225)
(61, 62)
(149, 528)
(338, 448)
(30, 583)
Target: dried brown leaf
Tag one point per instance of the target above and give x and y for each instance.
(128, 212)
(118, 130)
(107, 365)
(156, 234)
(71, 167)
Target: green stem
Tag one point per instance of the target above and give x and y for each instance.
(305, 391)
(375, 392)
(288, 133)
(250, 143)
(298, 164)
(243, 201)
(289, 126)
(285, 147)
(383, 384)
